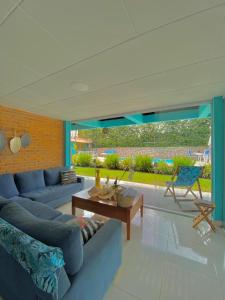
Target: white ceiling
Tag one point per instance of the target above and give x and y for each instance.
(134, 55)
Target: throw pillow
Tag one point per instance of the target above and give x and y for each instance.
(88, 227)
(36, 258)
(68, 176)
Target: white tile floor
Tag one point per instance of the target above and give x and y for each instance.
(168, 260)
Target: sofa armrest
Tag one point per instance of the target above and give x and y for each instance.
(80, 179)
(14, 278)
(102, 258)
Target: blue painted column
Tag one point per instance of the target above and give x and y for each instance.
(218, 151)
(67, 143)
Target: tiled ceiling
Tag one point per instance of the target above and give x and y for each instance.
(86, 59)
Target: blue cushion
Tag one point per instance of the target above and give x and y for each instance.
(37, 209)
(102, 258)
(8, 187)
(52, 233)
(36, 258)
(53, 192)
(53, 175)
(3, 201)
(30, 181)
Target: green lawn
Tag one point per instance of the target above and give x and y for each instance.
(141, 177)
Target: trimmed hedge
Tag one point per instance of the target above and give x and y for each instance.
(182, 161)
(143, 163)
(83, 159)
(126, 163)
(112, 161)
(163, 168)
(207, 171)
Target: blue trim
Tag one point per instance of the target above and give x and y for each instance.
(67, 143)
(218, 124)
(203, 111)
(88, 124)
(136, 119)
(191, 113)
(116, 122)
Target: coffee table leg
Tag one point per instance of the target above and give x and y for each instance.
(74, 210)
(128, 229)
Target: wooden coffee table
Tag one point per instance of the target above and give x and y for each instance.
(108, 209)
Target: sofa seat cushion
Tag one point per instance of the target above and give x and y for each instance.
(53, 175)
(37, 209)
(49, 193)
(51, 233)
(30, 181)
(3, 202)
(8, 187)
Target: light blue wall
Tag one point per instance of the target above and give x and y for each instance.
(218, 125)
(67, 143)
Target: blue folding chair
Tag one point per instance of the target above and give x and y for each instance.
(186, 178)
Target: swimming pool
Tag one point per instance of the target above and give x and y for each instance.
(157, 160)
(168, 161)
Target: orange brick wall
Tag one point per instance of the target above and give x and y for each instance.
(47, 145)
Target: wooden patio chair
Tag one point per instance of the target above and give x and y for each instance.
(206, 209)
(186, 178)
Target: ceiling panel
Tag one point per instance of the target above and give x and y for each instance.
(91, 106)
(5, 7)
(147, 14)
(194, 75)
(13, 74)
(177, 64)
(194, 40)
(27, 97)
(25, 41)
(84, 26)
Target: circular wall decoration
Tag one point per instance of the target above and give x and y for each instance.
(25, 140)
(15, 144)
(2, 141)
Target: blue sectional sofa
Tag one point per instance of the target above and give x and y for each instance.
(89, 269)
(40, 186)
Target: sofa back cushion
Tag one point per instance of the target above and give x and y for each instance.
(30, 181)
(53, 175)
(52, 233)
(8, 187)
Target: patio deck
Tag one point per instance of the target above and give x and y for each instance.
(154, 197)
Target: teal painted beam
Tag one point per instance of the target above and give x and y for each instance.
(204, 111)
(136, 119)
(67, 143)
(116, 122)
(218, 150)
(171, 116)
(80, 127)
(90, 124)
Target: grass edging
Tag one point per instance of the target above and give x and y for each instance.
(139, 177)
